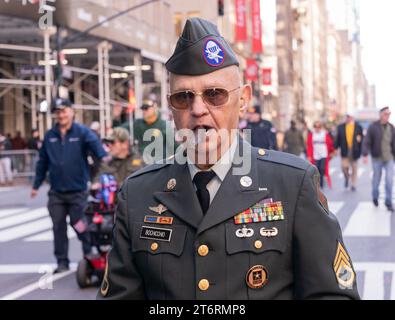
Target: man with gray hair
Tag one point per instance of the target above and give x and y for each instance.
(380, 143)
(200, 229)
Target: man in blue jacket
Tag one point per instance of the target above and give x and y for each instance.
(64, 155)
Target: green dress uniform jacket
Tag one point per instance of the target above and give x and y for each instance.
(120, 168)
(205, 259)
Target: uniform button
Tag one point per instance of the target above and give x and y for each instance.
(203, 250)
(258, 244)
(154, 246)
(204, 284)
(261, 152)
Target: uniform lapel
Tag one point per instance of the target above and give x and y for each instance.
(232, 198)
(182, 201)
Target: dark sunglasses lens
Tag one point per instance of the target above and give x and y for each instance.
(216, 96)
(182, 100)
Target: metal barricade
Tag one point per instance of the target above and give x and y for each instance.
(23, 162)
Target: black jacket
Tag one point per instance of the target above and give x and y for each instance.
(372, 141)
(341, 141)
(263, 135)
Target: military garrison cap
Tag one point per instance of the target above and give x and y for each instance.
(200, 50)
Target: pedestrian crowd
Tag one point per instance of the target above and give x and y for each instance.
(320, 144)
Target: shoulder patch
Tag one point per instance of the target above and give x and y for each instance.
(147, 169)
(283, 158)
(342, 267)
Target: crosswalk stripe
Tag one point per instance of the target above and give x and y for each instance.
(367, 221)
(36, 285)
(30, 268)
(9, 212)
(336, 206)
(361, 172)
(48, 235)
(7, 189)
(374, 279)
(24, 217)
(25, 229)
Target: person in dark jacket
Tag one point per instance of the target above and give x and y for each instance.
(263, 134)
(349, 139)
(64, 154)
(34, 143)
(380, 143)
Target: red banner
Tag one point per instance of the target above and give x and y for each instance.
(256, 26)
(241, 20)
(267, 76)
(252, 70)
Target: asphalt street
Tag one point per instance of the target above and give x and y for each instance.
(26, 259)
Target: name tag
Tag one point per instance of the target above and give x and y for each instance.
(53, 140)
(152, 233)
(74, 139)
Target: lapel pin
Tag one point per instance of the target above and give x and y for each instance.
(262, 152)
(246, 182)
(159, 209)
(171, 184)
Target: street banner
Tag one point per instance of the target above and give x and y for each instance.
(267, 76)
(241, 20)
(252, 70)
(256, 26)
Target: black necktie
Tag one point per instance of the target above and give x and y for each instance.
(201, 180)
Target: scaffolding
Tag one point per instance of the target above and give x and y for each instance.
(42, 87)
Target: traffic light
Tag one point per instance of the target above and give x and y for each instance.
(220, 7)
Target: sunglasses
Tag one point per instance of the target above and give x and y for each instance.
(212, 97)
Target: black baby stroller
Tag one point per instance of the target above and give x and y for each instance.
(100, 215)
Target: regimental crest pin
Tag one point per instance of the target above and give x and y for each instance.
(159, 209)
(171, 184)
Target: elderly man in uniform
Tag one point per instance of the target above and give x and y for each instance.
(199, 230)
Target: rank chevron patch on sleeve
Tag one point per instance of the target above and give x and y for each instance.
(343, 269)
